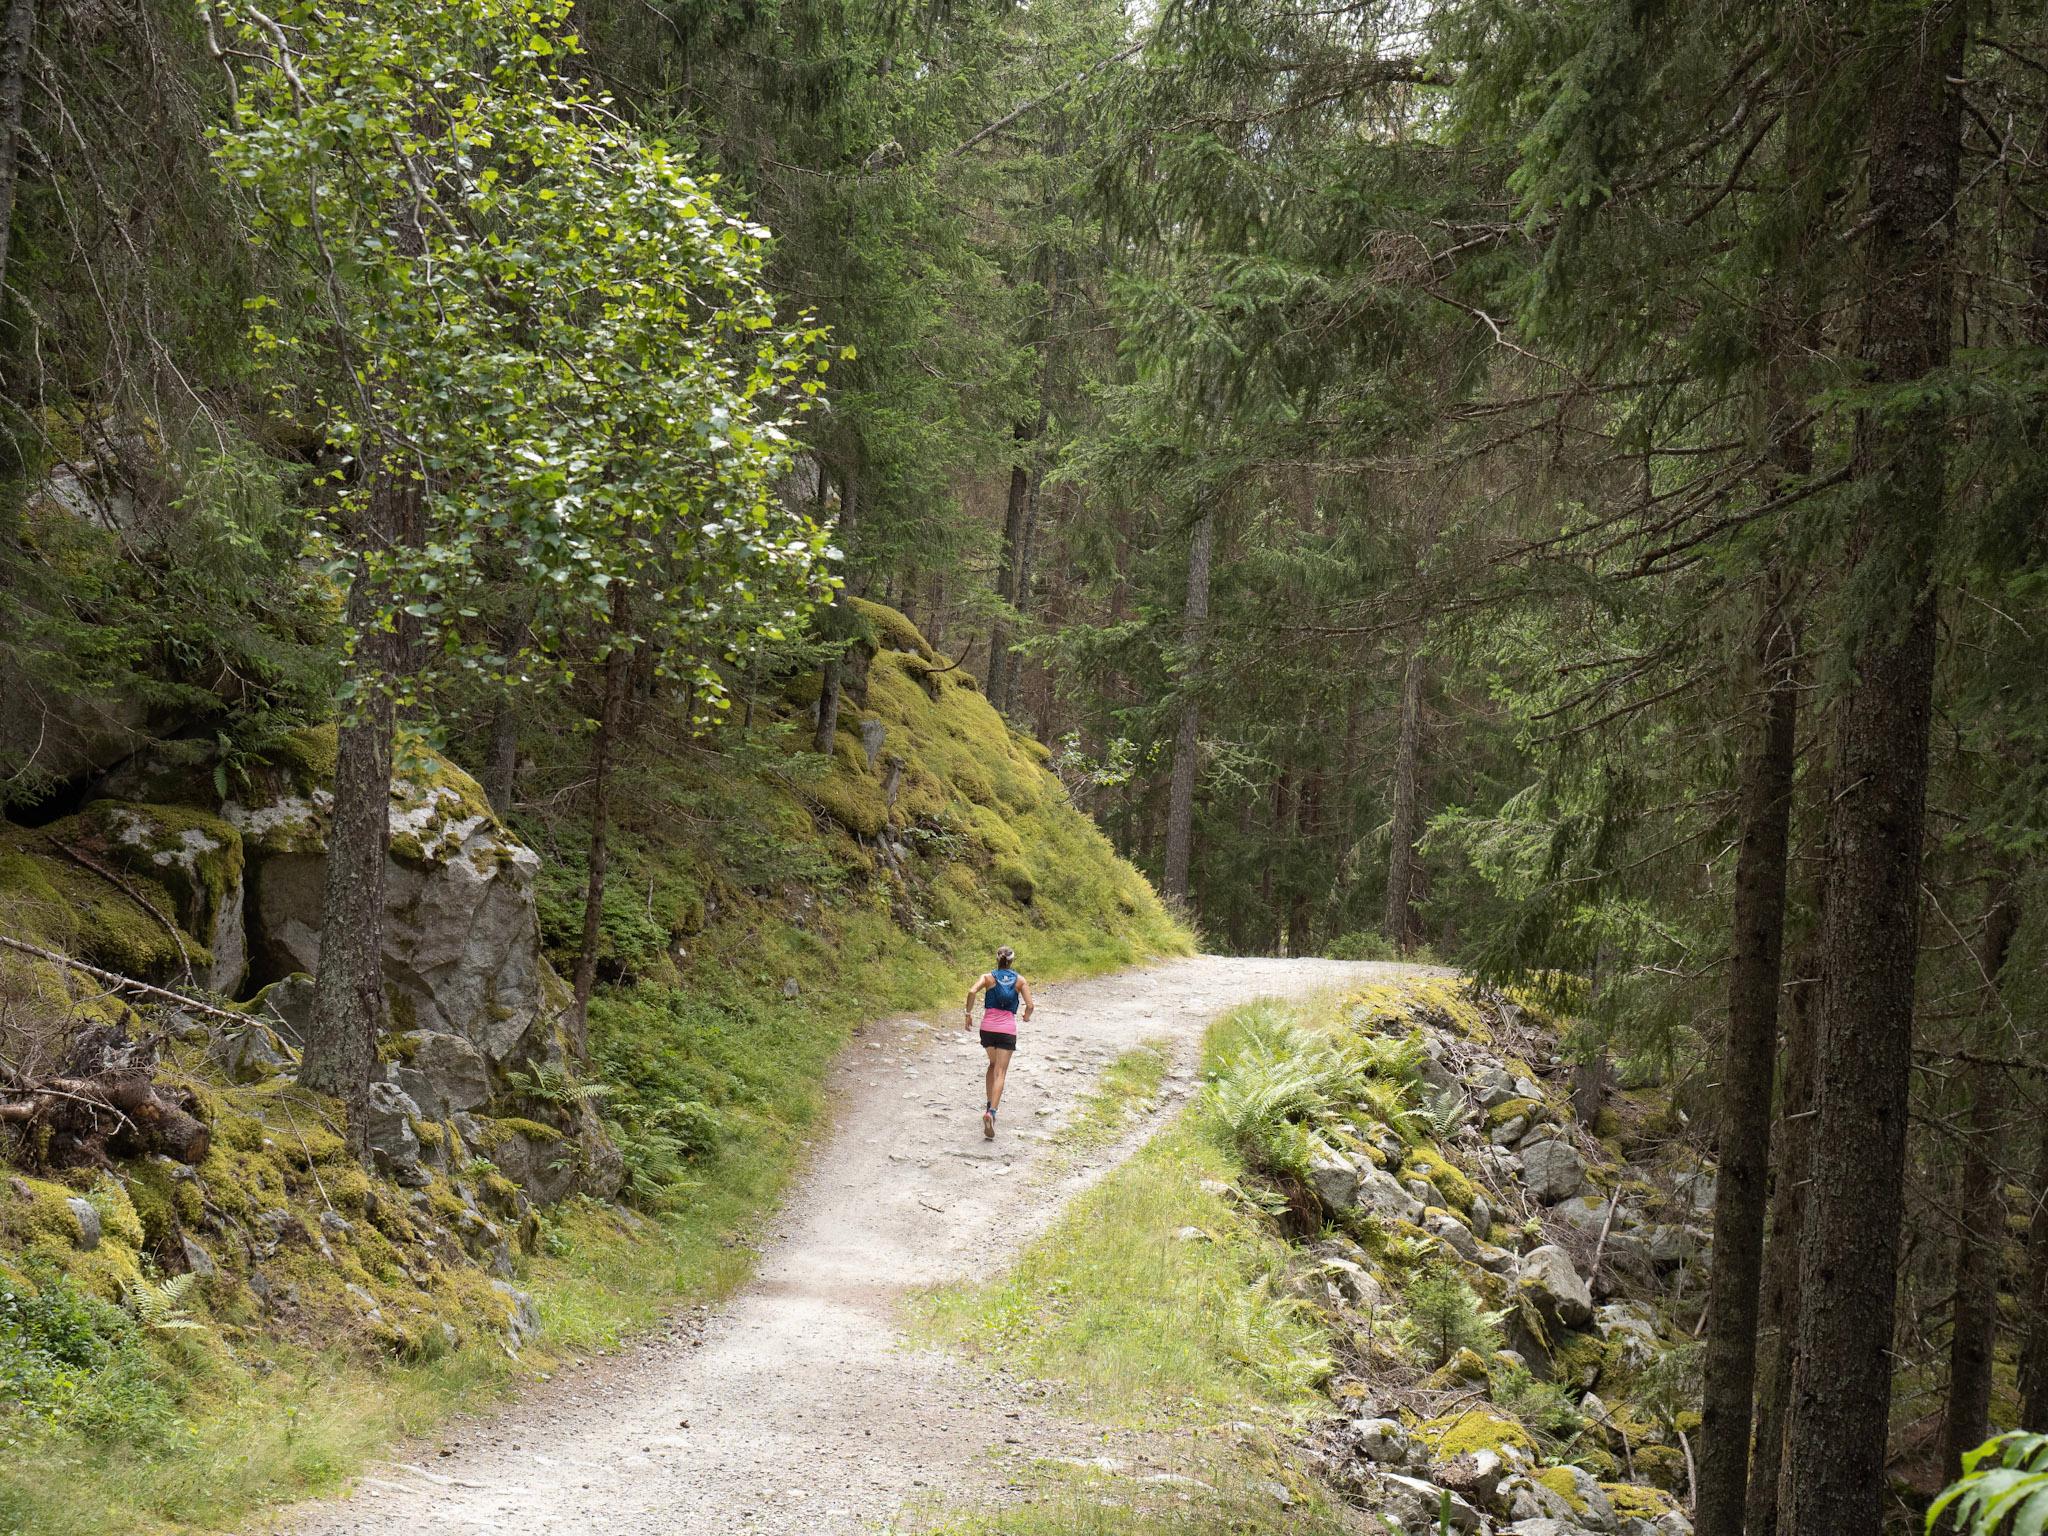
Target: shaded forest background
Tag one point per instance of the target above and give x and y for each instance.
(1559, 488)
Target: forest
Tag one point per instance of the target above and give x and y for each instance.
(560, 558)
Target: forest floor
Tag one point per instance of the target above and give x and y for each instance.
(801, 1406)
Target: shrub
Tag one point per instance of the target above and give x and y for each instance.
(1447, 1315)
(1361, 946)
(68, 1357)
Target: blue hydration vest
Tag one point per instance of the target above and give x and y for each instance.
(1003, 994)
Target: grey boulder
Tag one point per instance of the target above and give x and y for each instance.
(1559, 1293)
(441, 1072)
(1552, 1170)
(1334, 1180)
(394, 1146)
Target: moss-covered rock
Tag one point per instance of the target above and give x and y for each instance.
(1450, 1182)
(1476, 1429)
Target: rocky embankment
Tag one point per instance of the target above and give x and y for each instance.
(160, 878)
(1513, 1290)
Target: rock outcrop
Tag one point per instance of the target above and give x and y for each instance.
(1571, 1252)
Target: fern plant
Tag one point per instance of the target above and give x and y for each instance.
(159, 1305)
(550, 1084)
(1444, 1114)
(2004, 1487)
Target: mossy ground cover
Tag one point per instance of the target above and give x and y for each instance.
(734, 877)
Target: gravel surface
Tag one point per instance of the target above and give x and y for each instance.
(799, 1407)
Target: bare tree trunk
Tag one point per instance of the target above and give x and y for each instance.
(1841, 1395)
(1187, 741)
(834, 671)
(501, 762)
(1748, 1061)
(348, 989)
(1406, 827)
(1006, 572)
(1973, 1328)
(17, 40)
(2034, 1348)
(1980, 1224)
(618, 676)
(1779, 1310)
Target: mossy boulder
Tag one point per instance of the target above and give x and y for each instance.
(462, 942)
(1476, 1429)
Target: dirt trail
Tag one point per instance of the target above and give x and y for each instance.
(798, 1407)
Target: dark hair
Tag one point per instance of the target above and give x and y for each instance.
(1005, 955)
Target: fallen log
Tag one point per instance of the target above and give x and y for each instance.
(104, 1104)
(88, 1121)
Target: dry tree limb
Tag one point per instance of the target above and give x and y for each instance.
(122, 983)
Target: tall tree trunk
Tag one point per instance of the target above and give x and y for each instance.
(999, 660)
(834, 670)
(348, 989)
(1406, 828)
(1299, 938)
(2034, 1348)
(1973, 1328)
(618, 680)
(1980, 1221)
(1870, 926)
(17, 41)
(1187, 741)
(1779, 1310)
(1748, 1058)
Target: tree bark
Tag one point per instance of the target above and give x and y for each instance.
(348, 990)
(1405, 830)
(17, 41)
(1748, 1059)
(1870, 926)
(834, 671)
(1006, 572)
(1980, 1224)
(2034, 1348)
(1973, 1329)
(1779, 1309)
(618, 679)
(1187, 741)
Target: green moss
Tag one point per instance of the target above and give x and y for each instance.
(1559, 1481)
(1453, 1185)
(309, 757)
(1501, 1114)
(883, 626)
(1662, 1465)
(1631, 1501)
(1017, 879)
(1578, 1357)
(47, 898)
(495, 1133)
(1475, 1429)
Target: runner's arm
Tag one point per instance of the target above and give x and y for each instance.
(1024, 987)
(975, 991)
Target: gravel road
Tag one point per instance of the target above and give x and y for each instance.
(798, 1407)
